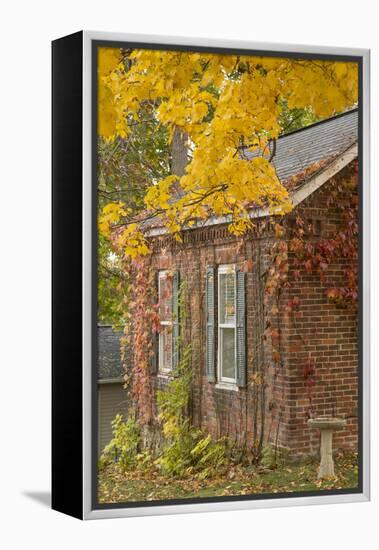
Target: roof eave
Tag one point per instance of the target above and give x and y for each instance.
(324, 175)
(298, 196)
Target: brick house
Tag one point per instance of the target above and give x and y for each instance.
(239, 388)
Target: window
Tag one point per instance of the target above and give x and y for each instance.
(225, 330)
(227, 324)
(165, 315)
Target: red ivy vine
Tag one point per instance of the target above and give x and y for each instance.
(142, 320)
(316, 257)
(304, 254)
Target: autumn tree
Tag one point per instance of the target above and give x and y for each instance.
(212, 109)
(126, 168)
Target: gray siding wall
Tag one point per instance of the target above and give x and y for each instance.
(112, 400)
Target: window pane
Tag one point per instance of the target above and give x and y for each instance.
(227, 298)
(165, 349)
(165, 297)
(227, 353)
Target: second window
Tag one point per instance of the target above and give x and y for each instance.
(227, 323)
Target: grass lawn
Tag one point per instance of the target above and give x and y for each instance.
(118, 486)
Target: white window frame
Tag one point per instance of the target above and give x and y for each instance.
(163, 369)
(222, 270)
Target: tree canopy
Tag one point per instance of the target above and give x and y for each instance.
(217, 107)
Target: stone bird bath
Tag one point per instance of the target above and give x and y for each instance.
(326, 426)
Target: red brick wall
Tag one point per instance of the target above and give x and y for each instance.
(328, 335)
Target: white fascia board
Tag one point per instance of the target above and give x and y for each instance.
(321, 177)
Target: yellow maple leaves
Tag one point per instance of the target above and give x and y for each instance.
(158, 196)
(110, 116)
(132, 241)
(110, 215)
(221, 102)
(129, 239)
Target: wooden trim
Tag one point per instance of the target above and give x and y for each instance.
(110, 381)
(322, 177)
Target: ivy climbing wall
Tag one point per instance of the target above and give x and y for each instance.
(301, 321)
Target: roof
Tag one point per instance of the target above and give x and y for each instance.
(303, 153)
(109, 359)
(326, 139)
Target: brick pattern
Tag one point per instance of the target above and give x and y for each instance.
(277, 410)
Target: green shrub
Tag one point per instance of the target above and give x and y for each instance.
(209, 456)
(125, 444)
(175, 456)
(192, 453)
(269, 458)
(186, 450)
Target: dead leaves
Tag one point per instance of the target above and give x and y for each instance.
(117, 486)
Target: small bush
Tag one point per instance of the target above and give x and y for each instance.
(192, 453)
(269, 458)
(125, 444)
(186, 450)
(209, 456)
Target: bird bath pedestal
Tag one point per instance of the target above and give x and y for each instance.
(326, 427)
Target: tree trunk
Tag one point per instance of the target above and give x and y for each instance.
(179, 157)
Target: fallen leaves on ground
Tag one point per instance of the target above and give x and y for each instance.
(116, 485)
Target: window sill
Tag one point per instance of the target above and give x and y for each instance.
(226, 386)
(164, 375)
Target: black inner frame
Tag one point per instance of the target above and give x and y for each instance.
(94, 210)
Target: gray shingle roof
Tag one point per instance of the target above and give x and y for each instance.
(299, 150)
(109, 359)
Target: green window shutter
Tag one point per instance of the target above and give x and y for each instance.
(210, 289)
(241, 328)
(154, 359)
(175, 319)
